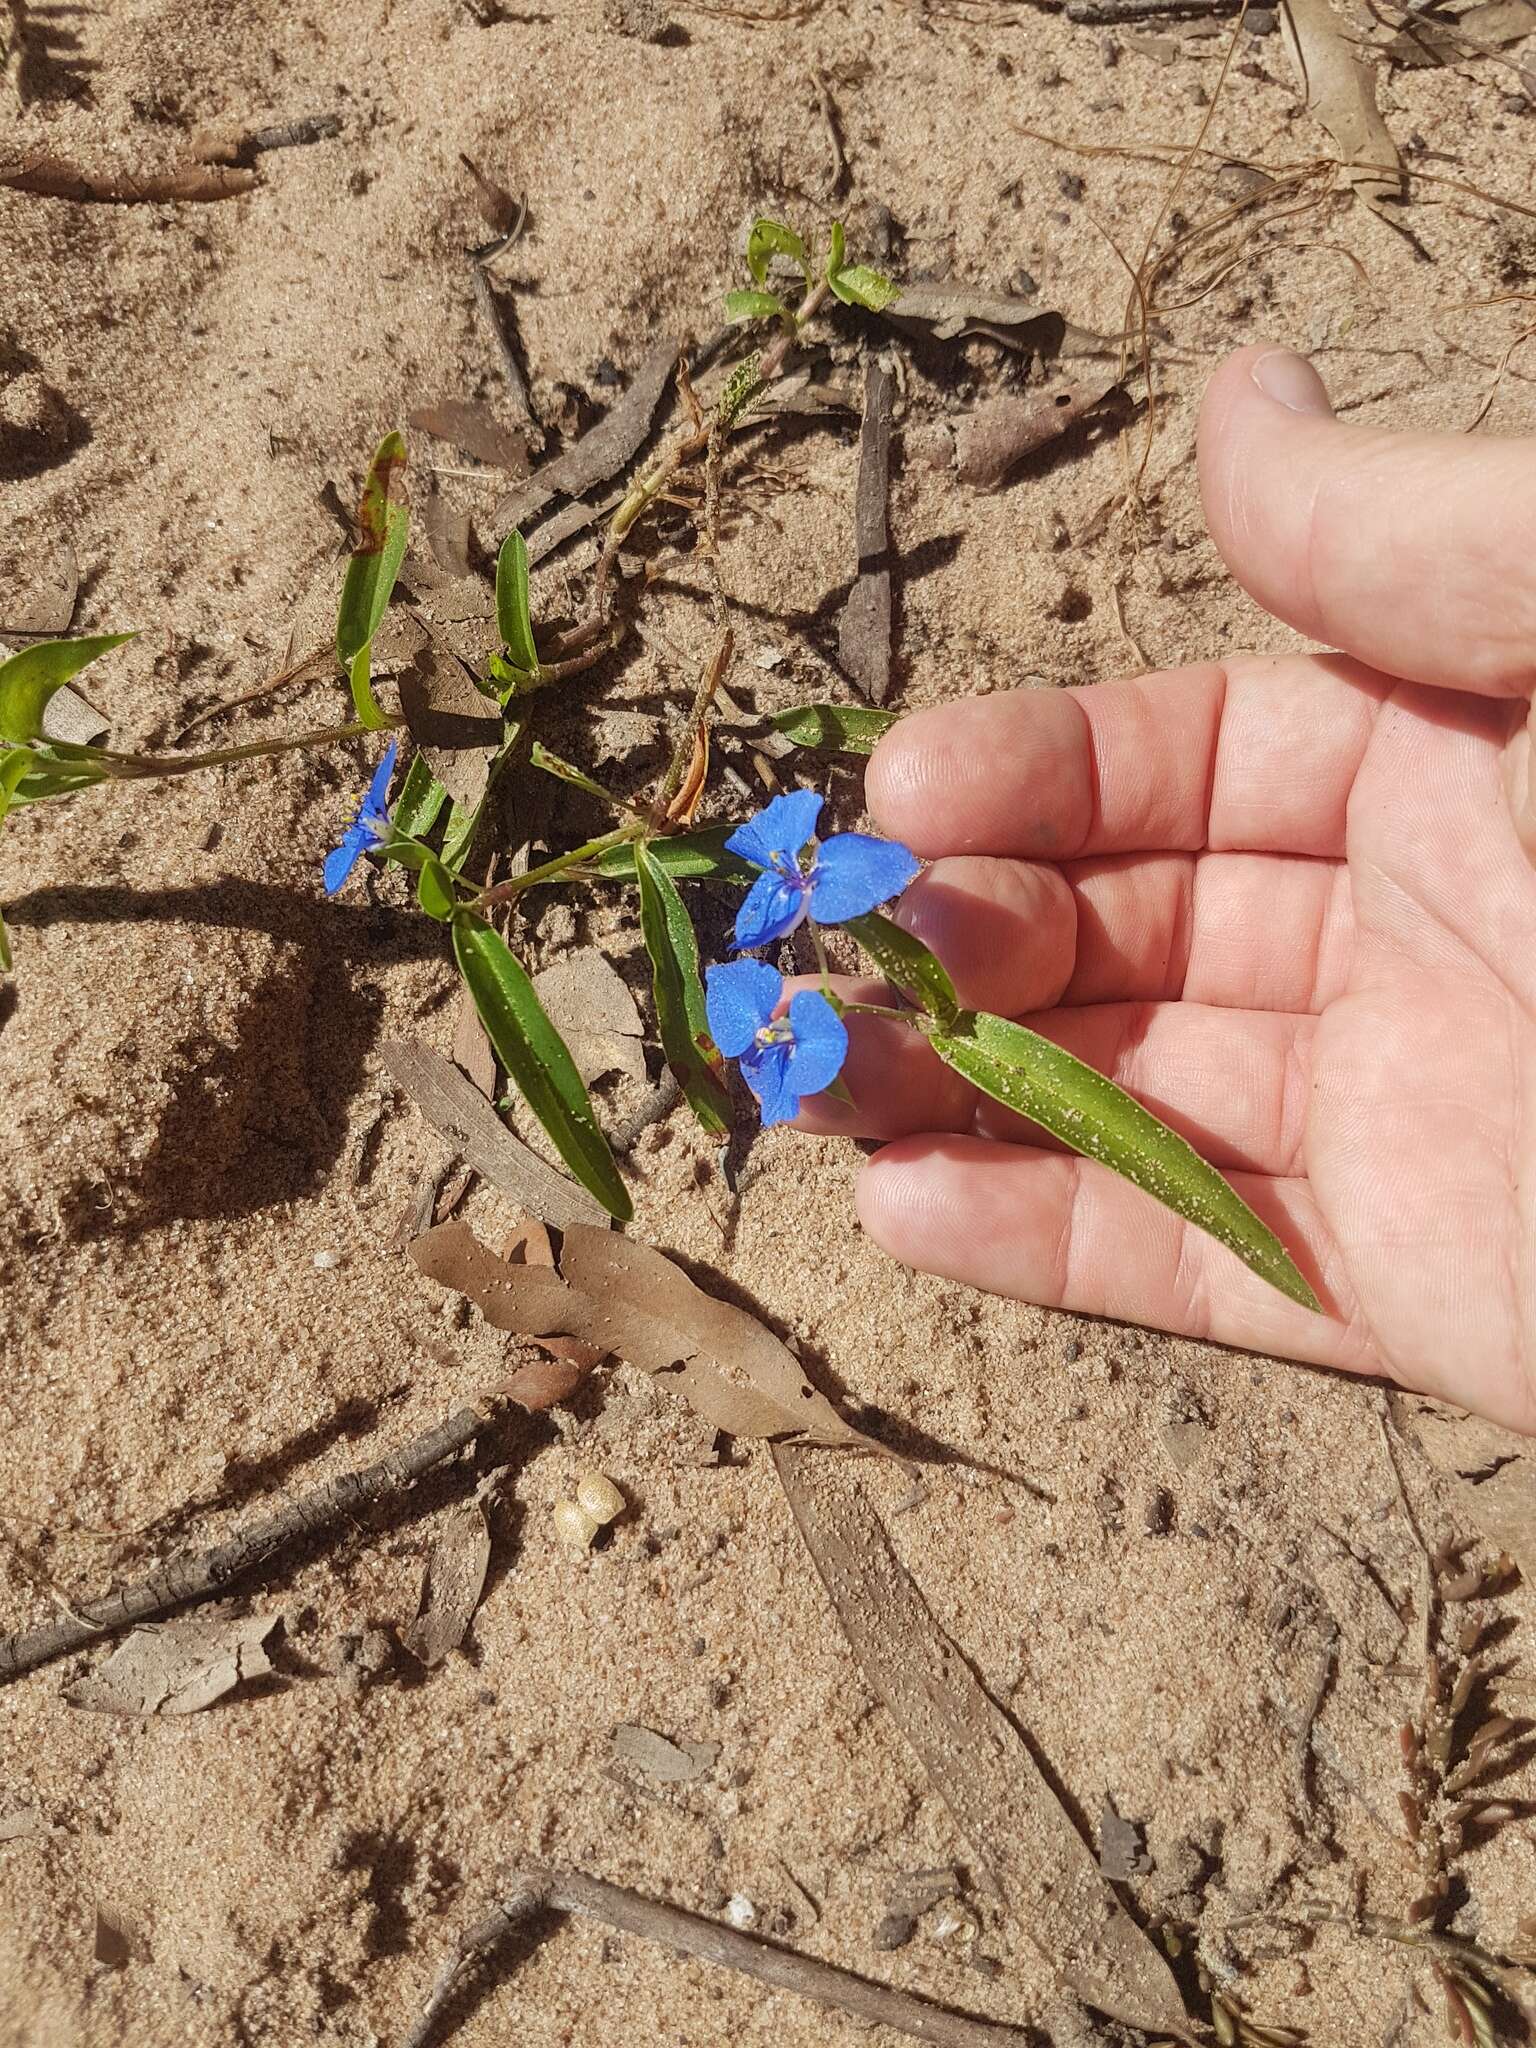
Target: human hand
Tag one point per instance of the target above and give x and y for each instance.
(1287, 901)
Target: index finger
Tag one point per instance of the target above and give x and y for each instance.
(1254, 755)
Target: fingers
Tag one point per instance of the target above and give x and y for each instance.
(1240, 930)
(1235, 1083)
(1259, 754)
(1410, 551)
(1061, 1231)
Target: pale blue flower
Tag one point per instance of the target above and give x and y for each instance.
(781, 1058)
(368, 826)
(847, 876)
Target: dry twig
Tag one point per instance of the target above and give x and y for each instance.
(535, 1890)
(57, 177)
(864, 630)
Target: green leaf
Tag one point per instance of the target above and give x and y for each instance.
(382, 522)
(686, 857)
(30, 678)
(514, 621)
(1085, 1110)
(755, 306)
(907, 963)
(435, 891)
(673, 946)
(769, 238)
(535, 1055)
(858, 285)
(566, 771)
(420, 803)
(13, 766)
(837, 254)
(459, 838)
(52, 773)
(839, 728)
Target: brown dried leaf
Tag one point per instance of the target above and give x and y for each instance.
(1026, 1847)
(177, 1667)
(447, 530)
(671, 1763)
(628, 1299)
(594, 1012)
(474, 430)
(599, 454)
(1122, 1847)
(451, 1585)
(472, 1050)
(1451, 38)
(457, 1109)
(998, 435)
(456, 727)
(112, 1943)
(1340, 89)
(38, 595)
(543, 1382)
(501, 213)
(953, 310)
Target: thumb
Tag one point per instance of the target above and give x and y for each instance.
(1416, 553)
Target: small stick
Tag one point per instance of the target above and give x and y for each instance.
(241, 145)
(204, 1573)
(536, 1891)
(56, 177)
(1109, 13)
(864, 630)
(834, 127)
(1310, 1713)
(512, 369)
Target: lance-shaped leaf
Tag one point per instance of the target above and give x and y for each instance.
(835, 728)
(686, 857)
(907, 964)
(514, 620)
(536, 1057)
(674, 949)
(1084, 1109)
(420, 802)
(30, 678)
(382, 523)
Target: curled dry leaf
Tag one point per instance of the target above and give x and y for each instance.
(671, 1763)
(592, 1009)
(177, 1667)
(1340, 89)
(1026, 1847)
(632, 1301)
(451, 1585)
(952, 310)
(990, 441)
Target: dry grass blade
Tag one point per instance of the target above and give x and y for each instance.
(1340, 90)
(1033, 1857)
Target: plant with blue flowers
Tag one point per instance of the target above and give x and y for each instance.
(791, 877)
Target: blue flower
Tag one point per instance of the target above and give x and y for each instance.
(782, 1058)
(367, 828)
(848, 875)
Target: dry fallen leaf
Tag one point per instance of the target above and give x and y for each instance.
(952, 309)
(990, 441)
(601, 453)
(1122, 1847)
(474, 430)
(451, 1585)
(112, 1945)
(1491, 25)
(457, 728)
(592, 1009)
(1340, 89)
(447, 528)
(625, 1298)
(864, 629)
(1502, 1504)
(671, 1763)
(1028, 1851)
(177, 1667)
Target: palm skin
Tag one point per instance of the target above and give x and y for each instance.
(1287, 901)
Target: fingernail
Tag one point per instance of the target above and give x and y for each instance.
(1292, 382)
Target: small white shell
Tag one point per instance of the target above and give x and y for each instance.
(599, 1497)
(574, 1527)
(327, 1262)
(740, 1911)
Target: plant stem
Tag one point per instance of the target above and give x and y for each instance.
(143, 767)
(515, 884)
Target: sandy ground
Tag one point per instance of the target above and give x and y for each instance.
(1120, 1529)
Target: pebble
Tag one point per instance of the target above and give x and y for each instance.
(740, 1911)
(327, 1262)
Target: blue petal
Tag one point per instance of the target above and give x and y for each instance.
(820, 1045)
(766, 1071)
(773, 907)
(738, 1000)
(855, 872)
(781, 827)
(373, 807)
(340, 863)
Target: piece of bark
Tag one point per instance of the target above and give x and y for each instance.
(1449, 38)
(864, 630)
(1027, 1850)
(570, 520)
(56, 177)
(451, 1585)
(473, 1053)
(177, 1668)
(998, 435)
(1339, 89)
(670, 1763)
(600, 453)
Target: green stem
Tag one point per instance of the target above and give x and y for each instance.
(142, 767)
(515, 884)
